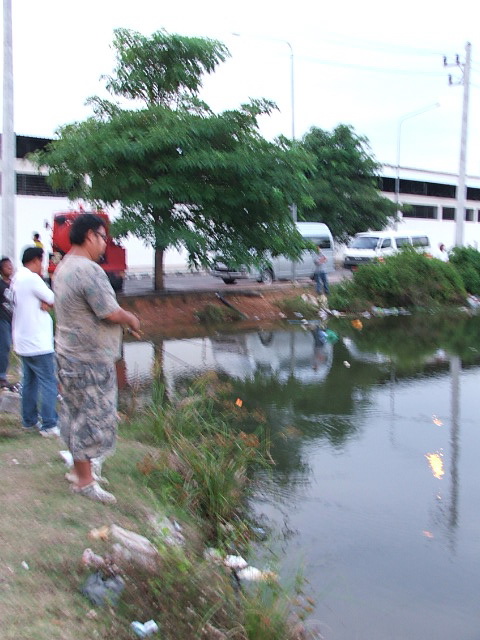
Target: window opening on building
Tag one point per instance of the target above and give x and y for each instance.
(420, 211)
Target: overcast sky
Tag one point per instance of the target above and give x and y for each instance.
(367, 64)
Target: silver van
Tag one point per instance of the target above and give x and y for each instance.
(280, 268)
(377, 245)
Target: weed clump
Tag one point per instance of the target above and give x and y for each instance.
(466, 261)
(407, 279)
(215, 314)
(202, 462)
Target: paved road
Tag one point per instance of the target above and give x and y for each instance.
(201, 282)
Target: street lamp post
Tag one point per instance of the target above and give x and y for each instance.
(407, 116)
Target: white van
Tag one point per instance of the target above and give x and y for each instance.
(376, 245)
(281, 267)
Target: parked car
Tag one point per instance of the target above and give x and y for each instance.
(280, 267)
(378, 245)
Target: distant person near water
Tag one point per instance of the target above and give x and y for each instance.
(6, 272)
(33, 342)
(320, 274)
(88, 343)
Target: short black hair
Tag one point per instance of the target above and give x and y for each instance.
(2, 262)
(82, 225)
(31, 253)
(36, 235)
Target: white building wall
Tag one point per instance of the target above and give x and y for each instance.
(35, 213)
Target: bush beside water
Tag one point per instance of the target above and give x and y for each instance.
(466, 261)
(407, 279)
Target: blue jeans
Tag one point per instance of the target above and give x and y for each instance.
(39, 376)
(321, 280)
(5, 344)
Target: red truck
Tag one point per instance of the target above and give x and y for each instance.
(114, 261)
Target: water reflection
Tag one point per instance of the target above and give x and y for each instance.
(368, 462)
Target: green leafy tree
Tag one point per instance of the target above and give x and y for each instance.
(165, 69)
(182, 175)
(344, 183)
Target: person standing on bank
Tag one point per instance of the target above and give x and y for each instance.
(88, 343)
(6, 272)
(320, 275)
(33, 342)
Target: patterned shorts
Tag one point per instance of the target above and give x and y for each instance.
(88, 413)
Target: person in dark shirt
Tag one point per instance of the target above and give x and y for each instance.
(6, 272)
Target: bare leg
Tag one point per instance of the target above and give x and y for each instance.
(83, 469)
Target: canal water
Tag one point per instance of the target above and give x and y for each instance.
(376, 442)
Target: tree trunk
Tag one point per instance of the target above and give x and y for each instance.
(158, 280)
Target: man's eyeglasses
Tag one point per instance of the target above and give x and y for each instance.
(102, 235)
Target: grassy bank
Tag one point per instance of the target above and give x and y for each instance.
(182, 460)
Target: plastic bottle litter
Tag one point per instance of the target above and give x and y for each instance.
(145, 629)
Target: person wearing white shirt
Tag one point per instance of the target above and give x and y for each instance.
(442, 252)
(33, 341)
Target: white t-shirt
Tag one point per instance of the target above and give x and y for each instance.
(32, 327)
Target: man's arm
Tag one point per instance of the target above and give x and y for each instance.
(44, 294)
(120, 316)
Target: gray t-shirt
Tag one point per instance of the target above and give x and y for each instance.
(83, 298)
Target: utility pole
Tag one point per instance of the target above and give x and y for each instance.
(461, 190)
(8, 138)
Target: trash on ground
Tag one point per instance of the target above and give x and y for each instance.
(145, 629)
(91, 559)
(252, 574)
(309, 299)
(25, 565)
(239, 402)
(235, 562)
(473, 302)
(346, 364)
(100, 534)
(132, 547)
(100, 590)
(357, 324)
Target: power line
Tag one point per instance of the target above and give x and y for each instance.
(348, 65)
(358, 43)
